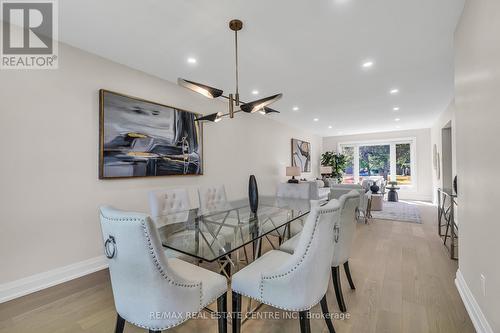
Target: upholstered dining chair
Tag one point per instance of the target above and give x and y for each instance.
(150, 290)
(342, 245)
(173, 206)
(213, 199)
(293, 282)
(169, 206)
(292, 199)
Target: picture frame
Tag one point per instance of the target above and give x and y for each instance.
(301, 155)
(141, 138)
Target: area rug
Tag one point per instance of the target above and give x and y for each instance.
(398, 211)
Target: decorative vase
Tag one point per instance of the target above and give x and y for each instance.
(374, 188)
(253, 194)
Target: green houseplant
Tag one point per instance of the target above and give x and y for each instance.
(338, 163)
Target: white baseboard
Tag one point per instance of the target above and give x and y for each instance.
(30, 284)
(476, 315)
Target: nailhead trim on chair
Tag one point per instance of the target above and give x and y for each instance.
(261, 285)
(162, 272)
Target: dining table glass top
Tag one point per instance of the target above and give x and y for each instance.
(227, 227)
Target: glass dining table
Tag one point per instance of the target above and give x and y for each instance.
(220, 233)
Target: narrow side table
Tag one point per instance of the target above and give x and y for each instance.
(377, 202)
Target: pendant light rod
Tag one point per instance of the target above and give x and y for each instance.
(236, 25)
(235, 104)
(237, 78)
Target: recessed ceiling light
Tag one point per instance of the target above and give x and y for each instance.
(368, 64)
(330, 127)
(295, 108)
(397, 119)
(255, 92)
(396, 108)
(191, 60)
(316, 119)
(394, 91)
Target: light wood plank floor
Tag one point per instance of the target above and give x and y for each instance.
(403, 275)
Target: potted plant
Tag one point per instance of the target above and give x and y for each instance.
(338, 163)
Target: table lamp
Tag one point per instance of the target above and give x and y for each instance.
(325, 170)
(292, 172)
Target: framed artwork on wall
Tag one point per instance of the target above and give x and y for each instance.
(139, 138)
(301, 155)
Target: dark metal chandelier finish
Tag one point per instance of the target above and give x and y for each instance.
(234, 101)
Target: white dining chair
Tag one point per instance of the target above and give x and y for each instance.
(213, 199)
(292, 282)
(342, 248)
(147, 286)
(168, 206)
(293, 200)
(172, 206)
(342, 245)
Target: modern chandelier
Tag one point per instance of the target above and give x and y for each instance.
(235, 104)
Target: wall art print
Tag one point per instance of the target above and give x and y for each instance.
(139, 138)
(301, 155)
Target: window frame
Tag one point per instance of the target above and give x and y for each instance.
(392, 143)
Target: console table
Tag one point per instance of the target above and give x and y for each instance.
(447, 201)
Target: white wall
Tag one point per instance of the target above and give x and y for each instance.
(50, 190)
(477, 44)
(423, 143)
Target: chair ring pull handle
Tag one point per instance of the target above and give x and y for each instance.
(336, 232)
(110, 247)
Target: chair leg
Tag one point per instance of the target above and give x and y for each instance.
(327, 315)
(305, 324)
(236, 312)
(120, 324)
(348, 274)
(338, 288)
(222, 313)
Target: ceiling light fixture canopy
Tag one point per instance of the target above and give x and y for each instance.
(235, 104)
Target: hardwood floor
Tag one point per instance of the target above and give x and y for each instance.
(403, 276)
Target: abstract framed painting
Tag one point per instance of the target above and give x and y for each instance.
(139, 138)
(301, 155)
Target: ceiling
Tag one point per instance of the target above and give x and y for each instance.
(311, 51)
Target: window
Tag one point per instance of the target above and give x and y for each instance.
(403, 163)
(349, 169)
(374, 161)
(393, 160)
